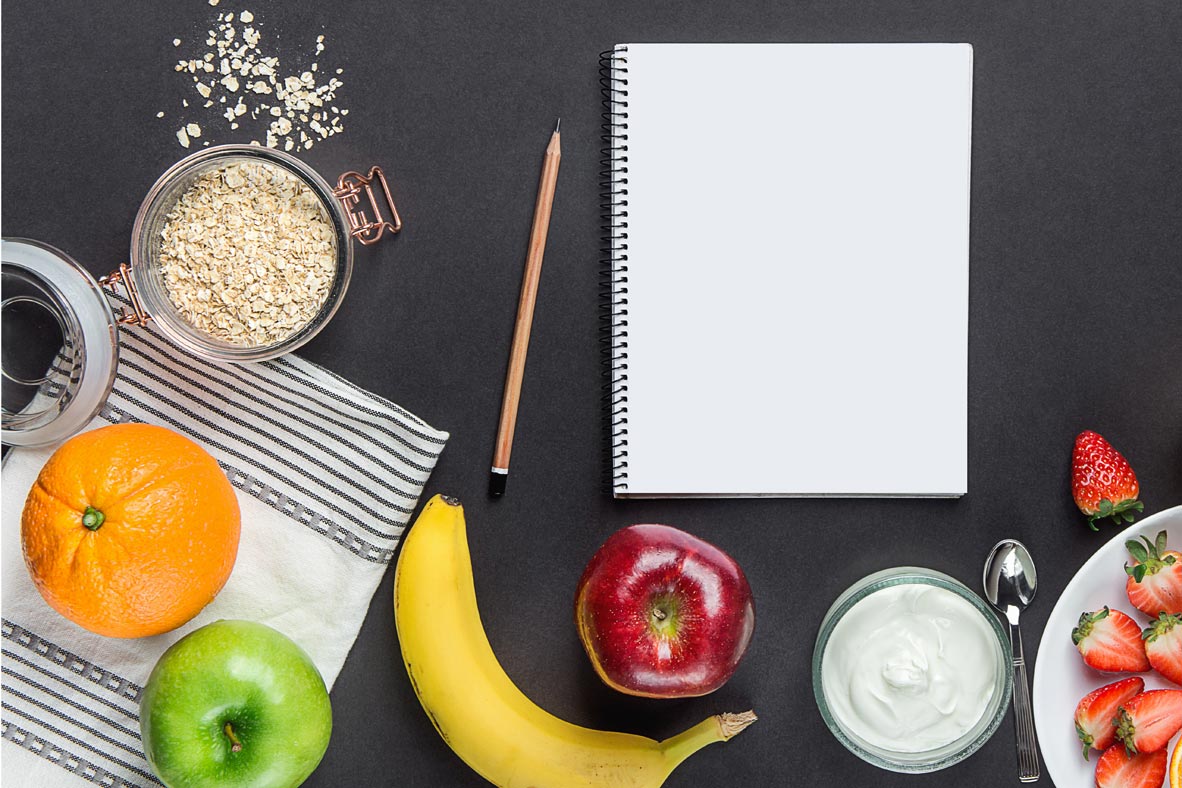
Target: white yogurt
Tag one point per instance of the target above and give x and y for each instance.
(910, 668)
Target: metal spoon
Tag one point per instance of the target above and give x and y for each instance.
(1010, 581)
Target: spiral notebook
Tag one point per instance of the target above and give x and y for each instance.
(786, 282)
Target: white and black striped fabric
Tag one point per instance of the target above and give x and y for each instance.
(328, 476)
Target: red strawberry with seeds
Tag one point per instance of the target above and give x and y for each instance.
(1102, 482)
(1163, 646)
(1155, 579)
(1150, 720)
(1110, 641)
(1095, 713)
(1118, 769)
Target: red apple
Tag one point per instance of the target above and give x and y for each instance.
(663, 614)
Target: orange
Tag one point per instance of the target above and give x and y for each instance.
(130, 530)
(1176, 766)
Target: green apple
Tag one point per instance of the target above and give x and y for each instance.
(235, 704)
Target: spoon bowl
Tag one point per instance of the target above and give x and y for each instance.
(1010, 577)
(1010, 582)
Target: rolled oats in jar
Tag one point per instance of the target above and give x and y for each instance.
(248, 254)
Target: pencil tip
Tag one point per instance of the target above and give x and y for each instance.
(557, 125)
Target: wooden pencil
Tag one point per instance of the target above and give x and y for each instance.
(525, 315)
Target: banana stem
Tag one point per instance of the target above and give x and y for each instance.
(720, 727)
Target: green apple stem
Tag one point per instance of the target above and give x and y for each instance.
(720, 727)
(235, 744)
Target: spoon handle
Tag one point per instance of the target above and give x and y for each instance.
(1023, 716)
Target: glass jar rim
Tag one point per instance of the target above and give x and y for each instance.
(955, 751)
(68, 400)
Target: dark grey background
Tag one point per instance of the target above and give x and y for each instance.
(1076, 287)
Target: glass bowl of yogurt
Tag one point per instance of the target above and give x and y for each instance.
(911, 670)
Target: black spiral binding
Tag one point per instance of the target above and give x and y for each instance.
(613, 285)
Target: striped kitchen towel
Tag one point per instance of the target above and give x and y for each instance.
(327, 477)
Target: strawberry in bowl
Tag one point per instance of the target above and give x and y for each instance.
(1163, 646)
(1148, 722)
(1155, 578)
(1095, 713)
(1110, 641)
(1119, 769)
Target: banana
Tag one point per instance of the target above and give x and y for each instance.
(478, 710)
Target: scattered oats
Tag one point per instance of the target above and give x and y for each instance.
(340, 71)
(248, 254)
(193, 129)
(160, 114)
(185, 102)
(308, 145)
(176, 42)
(205, 144)
(182, 138)
(241, 65)
(213, 2)
(233, 125)
(289, 144)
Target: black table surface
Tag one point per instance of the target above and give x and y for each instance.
(1075, 311)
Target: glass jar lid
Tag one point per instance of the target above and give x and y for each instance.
(60, 344)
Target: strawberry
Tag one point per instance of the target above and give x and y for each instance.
(1163, 646)
(1095, 713)
(1118, 769)
(1155, 579)
(1148, 721)
(1110, 641)
(1102, 482)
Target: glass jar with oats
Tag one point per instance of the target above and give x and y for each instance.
(243, 253)
(239, 253)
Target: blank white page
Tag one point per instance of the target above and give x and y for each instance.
(798, 230)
